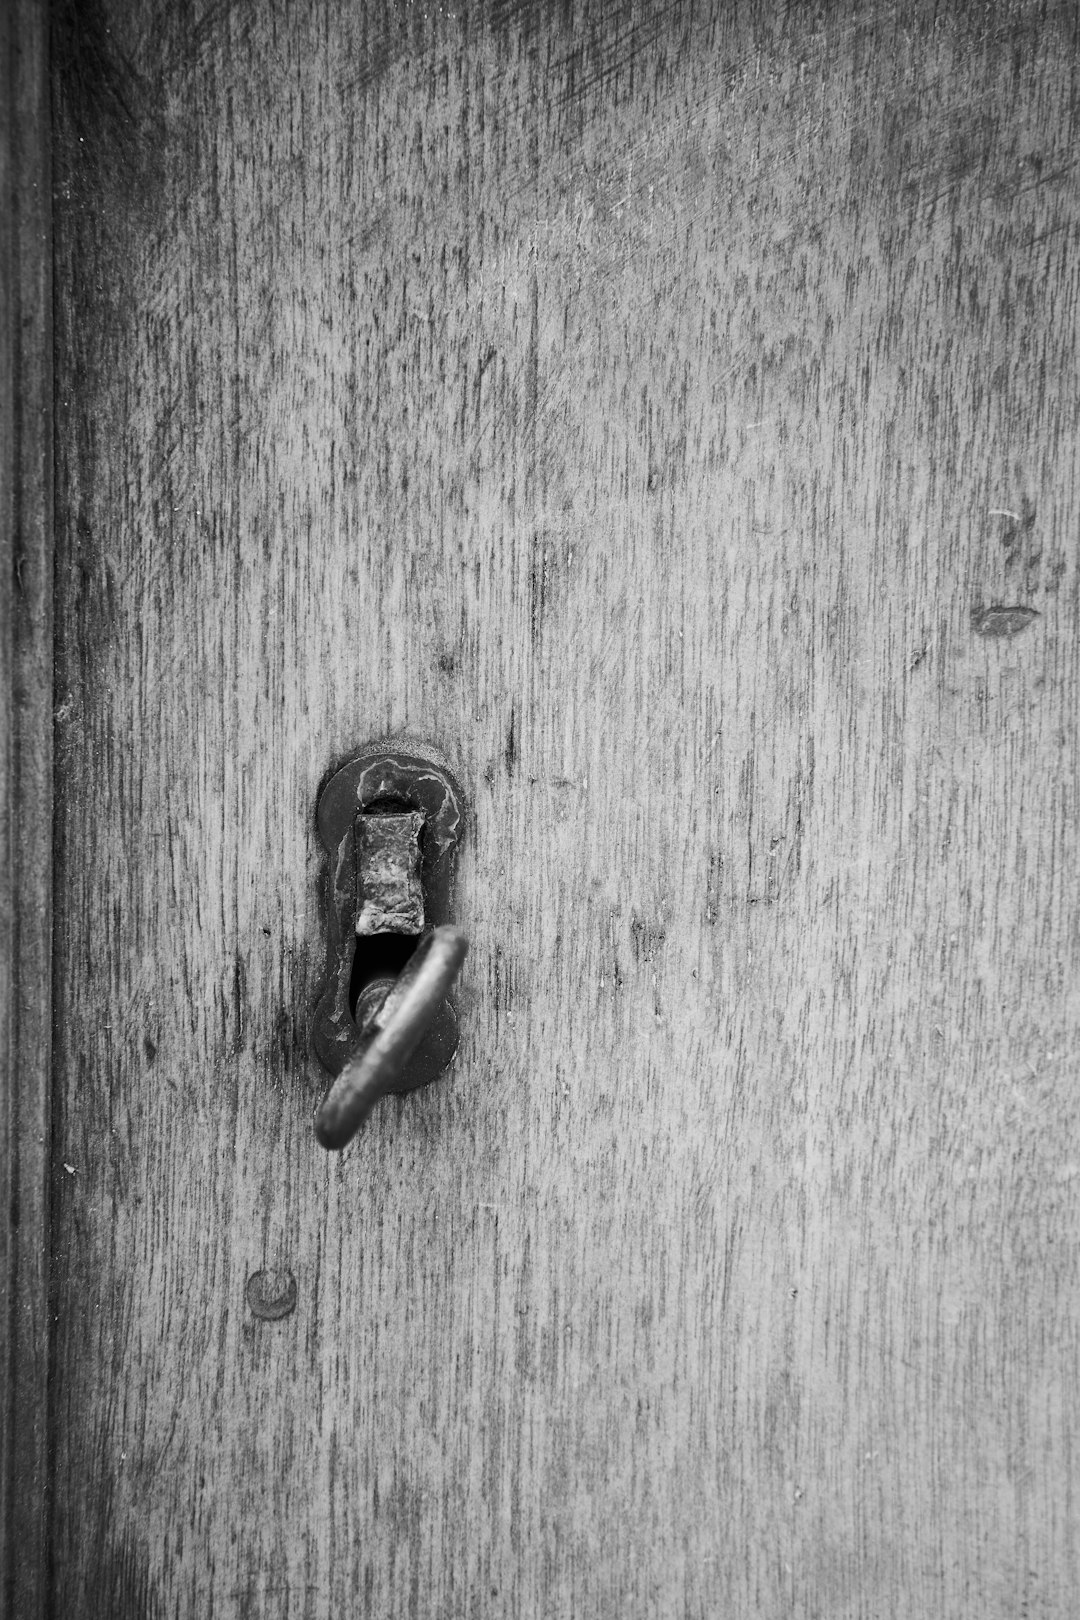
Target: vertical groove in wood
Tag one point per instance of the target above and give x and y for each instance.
(26, 645)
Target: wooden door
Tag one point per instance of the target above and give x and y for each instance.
(670, 411)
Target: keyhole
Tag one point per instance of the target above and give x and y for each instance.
(378, 956)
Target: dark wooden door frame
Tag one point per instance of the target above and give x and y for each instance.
(26, 782)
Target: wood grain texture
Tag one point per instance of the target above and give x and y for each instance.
(26, 701)
(644, 404)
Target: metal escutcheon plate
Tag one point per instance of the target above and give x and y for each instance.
(384, 773)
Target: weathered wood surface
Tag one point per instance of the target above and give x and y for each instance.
(656, 408)
(26, 726)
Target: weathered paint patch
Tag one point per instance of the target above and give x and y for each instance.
(1002, 621)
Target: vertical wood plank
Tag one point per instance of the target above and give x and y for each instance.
(670, 410)
(26, 652)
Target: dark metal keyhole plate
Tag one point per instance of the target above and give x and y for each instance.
(384, 775)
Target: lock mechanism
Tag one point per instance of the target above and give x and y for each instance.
(390, 821)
